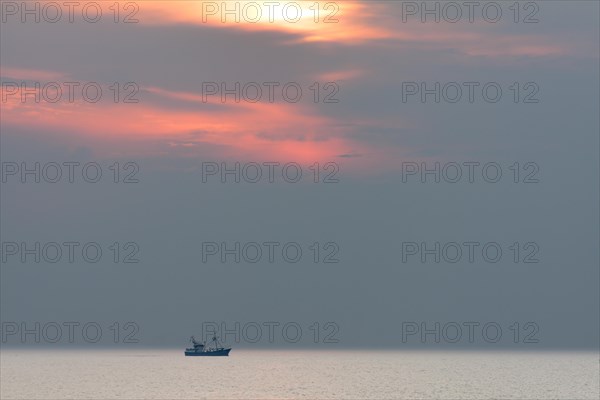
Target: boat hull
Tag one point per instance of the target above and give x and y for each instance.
(215, 353)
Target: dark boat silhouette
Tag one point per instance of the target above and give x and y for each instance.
(202, 350)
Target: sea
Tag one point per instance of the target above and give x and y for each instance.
(298, 374)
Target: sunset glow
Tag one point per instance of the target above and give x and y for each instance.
(265, 129)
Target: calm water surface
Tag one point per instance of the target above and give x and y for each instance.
(162, 374)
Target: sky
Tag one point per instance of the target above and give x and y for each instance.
(366, 134)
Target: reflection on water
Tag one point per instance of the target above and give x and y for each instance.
(162, 374)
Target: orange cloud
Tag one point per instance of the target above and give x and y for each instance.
(322, 21)
(341, 75)
(347, 22)
(30, 74)
(263, 131)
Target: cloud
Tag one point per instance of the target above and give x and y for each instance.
(344, 23)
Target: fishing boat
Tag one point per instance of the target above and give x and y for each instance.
(214, 349)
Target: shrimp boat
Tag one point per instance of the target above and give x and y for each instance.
(204, 350)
